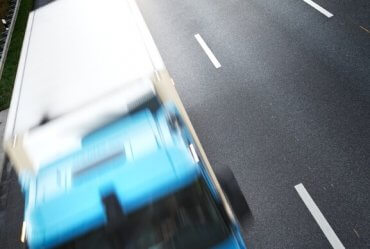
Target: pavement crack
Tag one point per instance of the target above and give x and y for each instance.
(368, 31)
(358, 236)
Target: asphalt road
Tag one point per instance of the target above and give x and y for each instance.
(290, 104)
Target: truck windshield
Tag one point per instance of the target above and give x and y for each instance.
(189, 218)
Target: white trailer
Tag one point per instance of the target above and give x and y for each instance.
(76, 51)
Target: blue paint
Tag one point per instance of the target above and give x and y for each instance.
(135, 184)
(139, 157)
(230, 243)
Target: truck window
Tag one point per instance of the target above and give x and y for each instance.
(189, 218)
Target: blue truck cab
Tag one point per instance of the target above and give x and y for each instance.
(136, 182)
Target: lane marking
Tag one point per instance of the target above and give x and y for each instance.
(319, 217)
(319, 8)
(368, 31)
(208, 51)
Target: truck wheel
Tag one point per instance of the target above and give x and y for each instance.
(234, 194)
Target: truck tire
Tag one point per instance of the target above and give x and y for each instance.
(234, 194)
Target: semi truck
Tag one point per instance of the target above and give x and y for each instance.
(103, 147)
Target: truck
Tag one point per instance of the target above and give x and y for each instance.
(104, 150)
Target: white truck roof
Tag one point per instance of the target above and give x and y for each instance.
(75, 51)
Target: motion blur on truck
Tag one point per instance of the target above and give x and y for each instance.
(121, 167)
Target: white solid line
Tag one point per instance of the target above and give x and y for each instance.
(319, 8)
(319, 217)
(208, 51)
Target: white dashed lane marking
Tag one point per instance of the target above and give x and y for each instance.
(319, 8)
(319, 217)
(207, 50)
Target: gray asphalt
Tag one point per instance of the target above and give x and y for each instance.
(289, 105)
(11, 209)
(3, 116)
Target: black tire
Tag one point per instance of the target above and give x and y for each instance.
(234, 194)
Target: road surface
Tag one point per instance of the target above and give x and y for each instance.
(289, 104)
